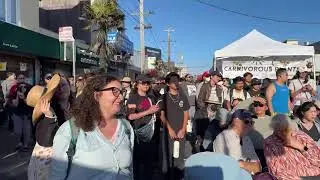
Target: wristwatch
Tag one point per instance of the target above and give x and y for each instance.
(305, 148)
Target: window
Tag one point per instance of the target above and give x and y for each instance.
(9, 11)
(13, 11)
(2, 10)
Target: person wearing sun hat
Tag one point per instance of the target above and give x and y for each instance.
(126, 84)
(46, 123)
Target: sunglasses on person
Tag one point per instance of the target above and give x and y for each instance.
(115, 91)
(248, 122)
(80, 79)
(258, 104)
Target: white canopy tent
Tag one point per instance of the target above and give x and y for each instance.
(257, 46)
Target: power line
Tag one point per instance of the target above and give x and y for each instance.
(156, 40)
(254, 16)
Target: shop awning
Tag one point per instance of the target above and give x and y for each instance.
(17, 39)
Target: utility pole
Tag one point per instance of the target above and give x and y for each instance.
(142, 49)
(142, 27)
(169, 30)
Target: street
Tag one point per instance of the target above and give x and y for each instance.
(13, 163)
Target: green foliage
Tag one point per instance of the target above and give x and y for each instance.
(103, 16)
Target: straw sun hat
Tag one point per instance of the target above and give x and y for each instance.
(38, 93)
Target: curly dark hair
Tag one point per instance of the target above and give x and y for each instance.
(86, 110)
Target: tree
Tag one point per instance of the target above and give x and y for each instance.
(103, 16)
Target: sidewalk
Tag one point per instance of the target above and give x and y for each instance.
(13, 163)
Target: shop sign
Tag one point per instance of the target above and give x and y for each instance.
(3, 66)
(87, 57)
(111, 37)
(153, 52)
(259, 69)
(10, 45)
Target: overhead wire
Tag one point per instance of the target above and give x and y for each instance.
(255, 16)
(151, 31)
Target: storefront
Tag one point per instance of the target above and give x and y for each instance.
(87, 61)
(26, 52)
(22, 49)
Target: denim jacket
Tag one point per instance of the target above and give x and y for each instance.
(96, 157)
(316, 122)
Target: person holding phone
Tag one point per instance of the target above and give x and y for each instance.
(290, 154)
(302, 89)
(141, 113)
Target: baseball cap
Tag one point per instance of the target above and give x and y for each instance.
(143, 78)
(244, 115)
(216, 73)
(255, 81)
(304, 69)
(172, 77)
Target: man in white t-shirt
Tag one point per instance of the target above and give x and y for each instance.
(302, 89)
(236, 93)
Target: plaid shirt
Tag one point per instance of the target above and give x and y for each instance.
(290, 164)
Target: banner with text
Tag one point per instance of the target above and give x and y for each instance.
(259, 69)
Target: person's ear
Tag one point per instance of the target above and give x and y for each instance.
(97, 95)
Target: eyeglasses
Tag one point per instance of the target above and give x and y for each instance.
(115, 91)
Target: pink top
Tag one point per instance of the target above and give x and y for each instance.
(290, 164)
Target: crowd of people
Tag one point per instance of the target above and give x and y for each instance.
(96, 126)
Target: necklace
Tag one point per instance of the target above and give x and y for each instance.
(175, 100)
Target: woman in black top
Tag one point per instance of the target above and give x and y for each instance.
(46, 124)
(142, 115)
(307, 114)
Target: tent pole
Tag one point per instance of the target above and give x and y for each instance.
(314, 67)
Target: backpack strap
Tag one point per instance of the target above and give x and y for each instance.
(127, 130)
(231, 95)
(245, 94)
(74, 130)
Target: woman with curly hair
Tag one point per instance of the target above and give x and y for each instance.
(104, 144)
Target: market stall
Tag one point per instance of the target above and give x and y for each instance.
(262, 56)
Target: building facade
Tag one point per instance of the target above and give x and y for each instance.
(27, 49)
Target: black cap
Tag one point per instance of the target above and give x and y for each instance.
(143, 78)
(215, 73)
(255, 81)
(172, 77)
(243, 115)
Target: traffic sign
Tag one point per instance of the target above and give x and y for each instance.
(66, 34)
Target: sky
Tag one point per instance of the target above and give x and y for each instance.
(200, 30)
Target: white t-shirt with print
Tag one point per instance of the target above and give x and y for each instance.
(296, 85)
(237, 95)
